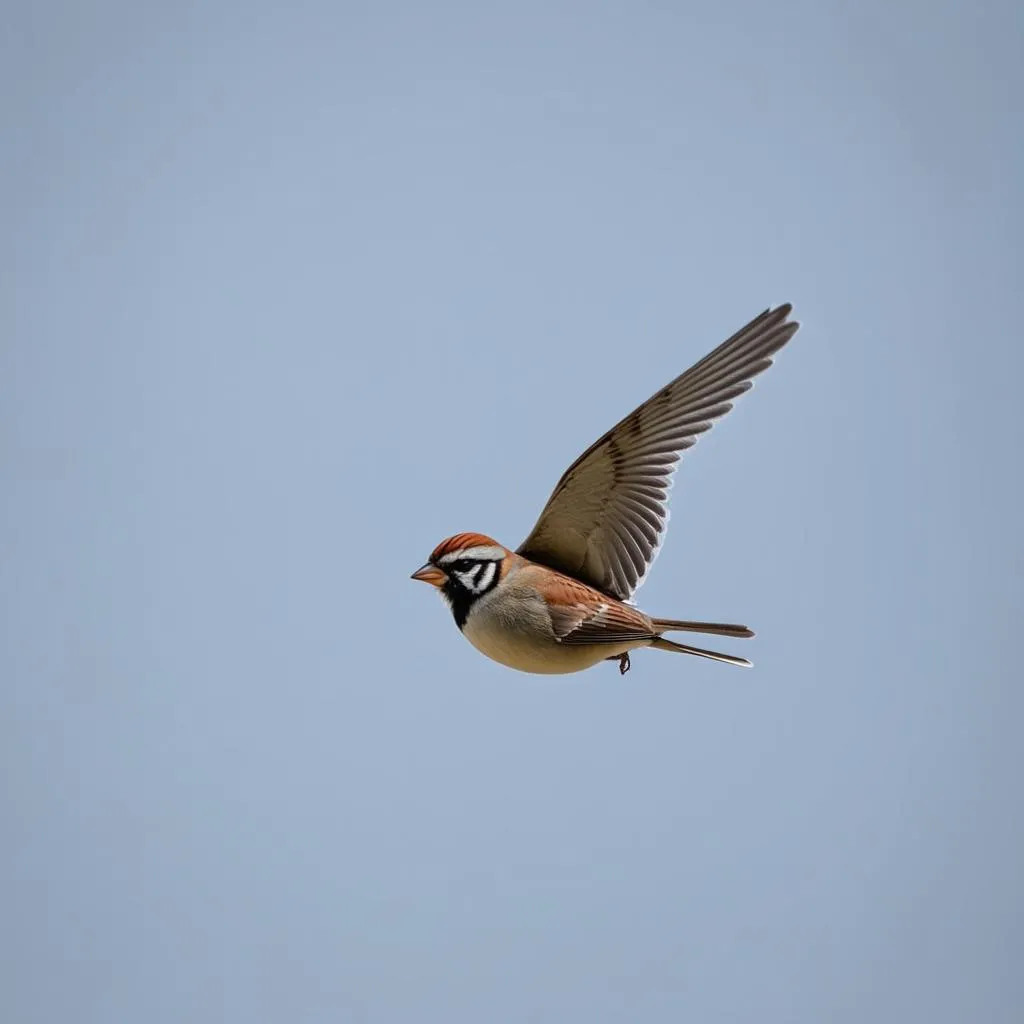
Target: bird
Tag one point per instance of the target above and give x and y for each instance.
(563, 600)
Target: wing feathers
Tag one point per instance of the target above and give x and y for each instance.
(581, 615)
(606, 517)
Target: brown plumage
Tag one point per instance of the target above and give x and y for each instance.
(558, 604)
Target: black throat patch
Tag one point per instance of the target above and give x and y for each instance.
(460, 601)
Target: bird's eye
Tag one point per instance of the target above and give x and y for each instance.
(463, 564)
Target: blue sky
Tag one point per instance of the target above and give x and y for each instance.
(289, 295)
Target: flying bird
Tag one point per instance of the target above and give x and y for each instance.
(561, 602)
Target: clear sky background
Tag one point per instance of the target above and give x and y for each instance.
(292, 292)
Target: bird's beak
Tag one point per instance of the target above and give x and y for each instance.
(431, 574)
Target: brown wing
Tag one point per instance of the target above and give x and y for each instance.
(583, 616)
(604, 521)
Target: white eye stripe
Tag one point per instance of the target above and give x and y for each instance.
(482, 553)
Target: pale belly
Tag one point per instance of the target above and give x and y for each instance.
(527, 643)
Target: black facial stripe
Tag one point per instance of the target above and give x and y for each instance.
(461, 597)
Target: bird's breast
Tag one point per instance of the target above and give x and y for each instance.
(515, 630)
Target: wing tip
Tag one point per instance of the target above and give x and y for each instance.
(781, 314)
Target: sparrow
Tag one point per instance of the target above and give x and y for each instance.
(562, 601)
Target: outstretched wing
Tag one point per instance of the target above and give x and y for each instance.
(604, 521)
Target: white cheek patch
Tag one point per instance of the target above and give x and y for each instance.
(486, 576)
(477, 580)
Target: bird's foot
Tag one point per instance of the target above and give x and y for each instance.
(623, 660)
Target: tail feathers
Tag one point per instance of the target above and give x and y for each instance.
(719, 628)
(661, 644)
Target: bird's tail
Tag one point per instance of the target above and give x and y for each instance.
(719, 628)
(661, 644)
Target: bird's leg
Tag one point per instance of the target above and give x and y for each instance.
(623, 663)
